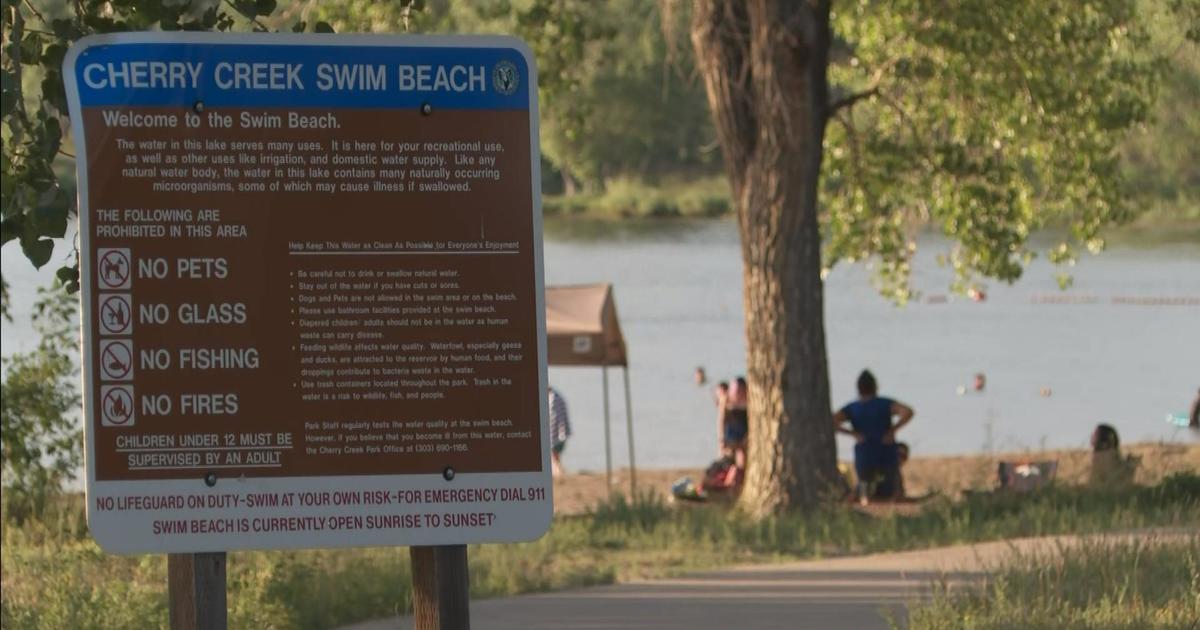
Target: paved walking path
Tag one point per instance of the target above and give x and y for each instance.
(841, 593)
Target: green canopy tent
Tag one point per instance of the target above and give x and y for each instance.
(582, 330)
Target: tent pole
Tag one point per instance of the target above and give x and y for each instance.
(607, 433)
(629, 431)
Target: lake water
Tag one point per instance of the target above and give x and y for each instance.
(1125, 349)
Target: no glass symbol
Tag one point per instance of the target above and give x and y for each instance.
(116, 360)
(116, 406)
(116, 314)
(114, 267)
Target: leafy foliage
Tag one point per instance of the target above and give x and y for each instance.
(34, 206)
(39, 403)
(1159, 158)
(988, 120)
(622, 101)
(617, 95)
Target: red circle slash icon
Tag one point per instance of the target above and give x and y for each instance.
(116, 406)
(113, 268)
(116, 314)
(116, 360)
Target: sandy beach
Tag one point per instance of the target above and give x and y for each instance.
(577, 491)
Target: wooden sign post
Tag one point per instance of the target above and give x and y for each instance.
(196, 587)
(441, 587)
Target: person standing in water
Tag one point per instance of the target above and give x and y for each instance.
(721, 399)
(876, 460)
(737, 422)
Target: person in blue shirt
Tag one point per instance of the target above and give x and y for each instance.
(876, 461)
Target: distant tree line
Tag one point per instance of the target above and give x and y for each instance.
(621, 98)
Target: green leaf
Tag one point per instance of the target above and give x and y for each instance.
(52, 55)
(31, 47)
(8, 185)
(11, 228)
(10, 91)
(53, 90)
(38, 251)
(67, 274)
(298, 27)
(51, 135)
(247, 8)
(322, 27)
(65, 30)
(264, 7)
(51, 218)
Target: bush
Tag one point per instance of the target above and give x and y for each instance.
(40, 441)
(626, 197)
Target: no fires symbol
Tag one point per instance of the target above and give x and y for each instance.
(114, 267)
(116, 314)
(116, 360)
(116, 406)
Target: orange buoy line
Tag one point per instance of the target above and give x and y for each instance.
(1134, 300)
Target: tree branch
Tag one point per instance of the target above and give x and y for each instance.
(850, 100)
(36, 13)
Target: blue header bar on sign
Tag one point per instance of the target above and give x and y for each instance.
(302, 75)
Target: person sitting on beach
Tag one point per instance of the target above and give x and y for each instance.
(1108, 467)
(876, 461)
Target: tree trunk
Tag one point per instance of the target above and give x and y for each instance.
(570, 186)
(764, 66)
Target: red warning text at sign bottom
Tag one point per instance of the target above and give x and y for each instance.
(322, 523)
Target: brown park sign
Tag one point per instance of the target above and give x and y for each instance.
(312, 290)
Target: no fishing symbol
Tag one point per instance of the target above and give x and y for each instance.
(113, 267)
(116, 360)
(116, 406)
(116, 314)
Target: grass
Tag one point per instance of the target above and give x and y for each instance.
(1100, 585)
(631, 198)
(55, 577)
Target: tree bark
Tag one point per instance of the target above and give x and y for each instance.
(570, 186)
(764, 66)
